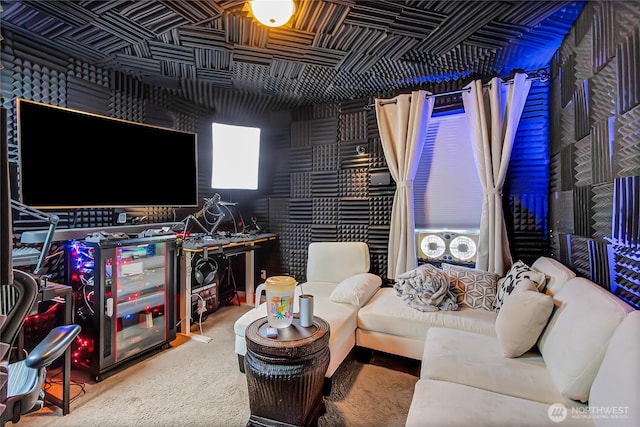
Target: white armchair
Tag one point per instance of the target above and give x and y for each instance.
(328, 264)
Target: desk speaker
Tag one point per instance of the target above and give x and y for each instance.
(448, 245)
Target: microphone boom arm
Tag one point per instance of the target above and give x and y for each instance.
(51, 219)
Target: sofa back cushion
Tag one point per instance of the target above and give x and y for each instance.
(557, 273)
(575, 339)
(335, 261)
(616, 386)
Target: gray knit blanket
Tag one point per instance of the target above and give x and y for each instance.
(425, 288)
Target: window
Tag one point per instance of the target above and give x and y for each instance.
(447, 191)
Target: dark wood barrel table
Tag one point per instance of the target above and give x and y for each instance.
(285, 375)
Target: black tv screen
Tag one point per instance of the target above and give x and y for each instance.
(72, 159)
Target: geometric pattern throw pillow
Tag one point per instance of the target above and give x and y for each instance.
(473, 288)
(516, 276)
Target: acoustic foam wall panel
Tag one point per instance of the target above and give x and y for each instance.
(353, 183)
(323, 131)
(581, 103)
(278, 214)
(582, 158)
(325, 211)
(300, 185)
(627, 144)
(380, 210)
(582, 25)
(324, 233)
(603, 89)
(624, 266)
(324, 184)
(602, 208)
(353, 232)
(529, 212)
(567, 125)
(626, 211)
(353, 126)
(300, 211)
(353, 210)
(604, 37)
(529, 165)
(579, 251)
(555, 108)
(561, 212)
(282, 186)
(86, 96)
(602, 139)
(583, 64)
(325, 157)
(300, 133)
(599, 263)
(582, 207)
(350, 158)
(566, 167)
(530, 230)
(261, 212)
(555, 173)
(627, 72)
(567, 79)
(301, 159)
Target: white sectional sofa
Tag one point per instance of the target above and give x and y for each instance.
(462, 362)
(387, 324)
(587, 359)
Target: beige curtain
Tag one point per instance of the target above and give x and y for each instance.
(402, 122)
(493, 114)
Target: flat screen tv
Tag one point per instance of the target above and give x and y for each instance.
(72, 159)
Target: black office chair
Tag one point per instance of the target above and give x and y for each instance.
(23, 391)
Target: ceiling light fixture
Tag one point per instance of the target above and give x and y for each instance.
(272, 13)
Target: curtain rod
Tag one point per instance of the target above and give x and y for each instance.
(541, 75)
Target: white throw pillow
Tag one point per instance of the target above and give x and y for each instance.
(522, 318)
(356, 290)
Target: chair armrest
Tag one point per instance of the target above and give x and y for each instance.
(52, 346)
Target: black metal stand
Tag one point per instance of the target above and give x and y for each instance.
(231, 282)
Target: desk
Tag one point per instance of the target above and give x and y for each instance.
(48, 293)
(221, 247)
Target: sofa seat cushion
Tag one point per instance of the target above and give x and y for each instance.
(441, 404)
(386, 313)
(575, 340)
(476, 360)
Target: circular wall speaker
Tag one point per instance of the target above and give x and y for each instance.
(205, 270)
(433, 246)
(462, 247)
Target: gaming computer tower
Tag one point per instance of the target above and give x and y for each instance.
(125, 299)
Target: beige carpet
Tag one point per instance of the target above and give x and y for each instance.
(197, 384)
